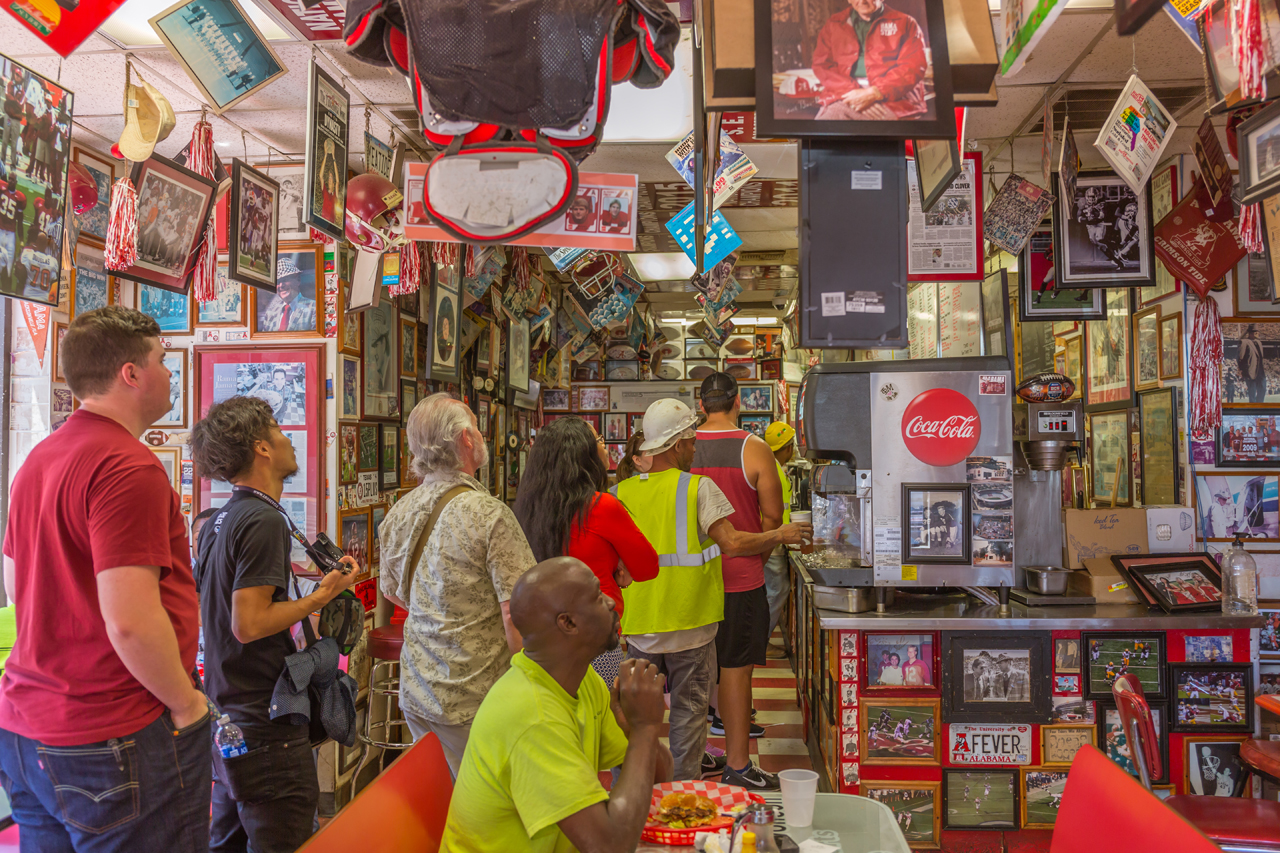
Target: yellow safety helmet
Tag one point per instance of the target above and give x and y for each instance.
(779, 434)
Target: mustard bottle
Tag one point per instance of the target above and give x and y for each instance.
(748, 842)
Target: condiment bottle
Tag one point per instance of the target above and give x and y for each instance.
(748, 842)
(1239, 581)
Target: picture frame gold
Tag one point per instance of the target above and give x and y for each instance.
(1170, 330)
(865, 719)
(1057, 740)
(1146, 345)
(870, 789)
(1025, 820)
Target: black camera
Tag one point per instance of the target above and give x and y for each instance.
(326, 555)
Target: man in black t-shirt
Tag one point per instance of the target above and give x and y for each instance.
(244, 580)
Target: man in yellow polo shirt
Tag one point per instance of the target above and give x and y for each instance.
(777, 580)
(528, 781)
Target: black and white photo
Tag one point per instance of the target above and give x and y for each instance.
(937, 528)
(1213, 768)
(1107, 241)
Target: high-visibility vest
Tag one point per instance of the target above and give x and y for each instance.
(786, 492)
(689, 589)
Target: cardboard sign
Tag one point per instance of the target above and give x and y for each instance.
(1192, 247)
(989, 745)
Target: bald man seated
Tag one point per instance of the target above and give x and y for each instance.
(529, 779)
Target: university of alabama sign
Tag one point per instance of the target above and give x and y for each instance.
(941, 427)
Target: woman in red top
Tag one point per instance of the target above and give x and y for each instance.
(565, 512)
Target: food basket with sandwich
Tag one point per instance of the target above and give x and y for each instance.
(678, 811)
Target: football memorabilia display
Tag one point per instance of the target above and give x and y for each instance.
(254, 223)
(1134, 136)
(174, 204)
(1107, 239)
(1046, 388)
(324, 196)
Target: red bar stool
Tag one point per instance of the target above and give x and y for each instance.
(384, 686)
(1235, 824)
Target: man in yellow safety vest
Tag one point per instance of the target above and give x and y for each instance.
(777, 580)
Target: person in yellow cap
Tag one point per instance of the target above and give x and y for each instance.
(777, 583)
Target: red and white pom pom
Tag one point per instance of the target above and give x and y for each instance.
(410, 271)
(1205, 361)
(444, 254)
(520, 268)
(203, 283)
(1249, 228)
(470, 267)
(1246, 47)
(122, 227)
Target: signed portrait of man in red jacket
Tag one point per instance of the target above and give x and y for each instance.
(872, 62)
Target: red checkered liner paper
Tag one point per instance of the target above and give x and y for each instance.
(725, 796)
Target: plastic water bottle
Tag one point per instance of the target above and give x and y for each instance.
(1239, 581)
(229, 738)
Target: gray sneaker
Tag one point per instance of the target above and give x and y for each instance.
(753, 779)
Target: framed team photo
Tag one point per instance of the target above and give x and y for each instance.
(806, 85)
(255, 221)
(1108, 240)
(172, 311)
(1179, 586)
(1212, 697)
(325, 189)
(174, 204)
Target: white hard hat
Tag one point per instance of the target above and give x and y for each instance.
(666, 421)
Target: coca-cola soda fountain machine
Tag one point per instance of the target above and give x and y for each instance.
(927, 449)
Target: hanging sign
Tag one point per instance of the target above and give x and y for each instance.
(37, 319)
(1194, 248)
(378, 156)
(734, 171)
(1134, 136)
(1215, 172)
(1016, 211)
(988, 745)
(1025, 23)
(62, 27)
(1068, 165)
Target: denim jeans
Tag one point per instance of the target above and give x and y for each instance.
(140, 792)
(277, 811)
(689, 676)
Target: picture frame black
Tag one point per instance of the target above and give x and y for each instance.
(1255, 182)
(1037, 257)
(241, 174)
(1109, 394)
(328, 111)
(1189, 599)
(444, 362)
(165, 175)
(912, 553)
(1115, 493)
(1240, 418)
(388, 465)
(1095, 683)
(941, 182)
(1243, 682)
(1132, 14)
(961, 688)
(1160, 719)
(770, 125)
(1158, 465)
(998, 780)
(1203, 773)
(1083, 248)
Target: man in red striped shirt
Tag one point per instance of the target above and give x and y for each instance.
(742, 465)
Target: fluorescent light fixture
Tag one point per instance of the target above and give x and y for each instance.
(661, 266)
(664, 114)
(739, 320)
(128, 25)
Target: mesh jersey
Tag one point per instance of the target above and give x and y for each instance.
(12, 204)
(42, 269)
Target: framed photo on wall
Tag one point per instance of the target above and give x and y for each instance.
(995, 676)
(791, 59)
(349, 399)
(93, 223)
(518, 354)
(1110, 480)
(904, 730)
(91, 286)
(1259, 169)
(1042, 795)
(989, 803)
(59, 332)
(1212, 767)
(353, 535)
(171, 459)
(1171, 347)
(1253, 290)
(228, 307)
(255, 219)
(1250, 356)
(935, 165)
(381, 362)
(1212, 697)
(1108, 241)
(348, 453)
(172, 311)
(349, 335)
(944, 238)
(324, 199)
(1038, 298)
(446, 310)
(294, 305)
(1113, 741)
(369, 447)
(1158, 419)
(173, 206)
(1108, 381)
(1058, 744)
(900, 661)
(936, 528)
(292, 180)
(916, 806)
(409, 345)
(1146, 348)
(176, 361)
(1248, 438)
(389, 456)
(1238, 504)
(1107, 652)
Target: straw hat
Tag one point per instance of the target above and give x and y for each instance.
(148, 118)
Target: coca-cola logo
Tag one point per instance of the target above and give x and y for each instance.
(941, 427)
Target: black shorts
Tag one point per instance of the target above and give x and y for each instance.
(743, 636)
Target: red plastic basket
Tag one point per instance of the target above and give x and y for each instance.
(725, 796)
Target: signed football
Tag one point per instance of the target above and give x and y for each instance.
(1046, 388)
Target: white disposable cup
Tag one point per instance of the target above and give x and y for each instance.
(799, 790)
(805, 516)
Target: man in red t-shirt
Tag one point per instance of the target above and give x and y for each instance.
(104, 737)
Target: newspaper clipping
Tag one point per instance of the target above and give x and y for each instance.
(944, 240)
(1135, 134)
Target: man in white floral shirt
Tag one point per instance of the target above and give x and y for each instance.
(458, 638)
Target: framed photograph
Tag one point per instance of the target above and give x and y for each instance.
(1171, 347)
(408, 399)
(555, 399)
(1108, 240)
(389, 456)
(221, 50)
(171, 459)
(1072, 358)
(350, 339)
(986, 800)
(995, 676)
(1146, 348)
(1271, 241)
(1269, 635)
(900, 731)
(1066, 654)
(637, 424)
(1164, 792)
(593, 419)
(1109, 459)
(349, 399)
(1180, 586)
(1212, 697)
(1115, 653)
(255, 220)
(1038, 296)
(518, 354)
(900, 661)
(1211, 766)
(1254, 289)
(291, 378)
(370, 451)
(805, 88)
(377, 513)
(409, 346)
(91, 286)
(1207, 649)
(289, 308)
(173, 206)
(771, 369)
(916, 807)
(324, 200)
(1164, 192)
(1247, 505)
(1068, 685)
(1259, 146)
(1158, 419)
(446, 309)
(1114, 742)
(348, 453)
(176, 361)
(593, 398)
(93, 223)
(589, 371)
(1250, 357)
(407, 478)
(615, 427)
(1071, 709)
(757, 398)
(59, 332)
(755, 424)
(353, 535)
(172, 311)
(1042, 795)
(381, 362)
(1059, 744)
(1127, 564)
(937, 526)
(935, 166)
(1108, 382)
(292, 180)
(227, 308)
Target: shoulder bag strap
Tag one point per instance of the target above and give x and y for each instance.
(425, 536)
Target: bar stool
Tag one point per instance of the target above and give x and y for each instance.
(384, 685)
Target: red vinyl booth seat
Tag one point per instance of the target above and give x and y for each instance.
(1232, 822)
(402, 810)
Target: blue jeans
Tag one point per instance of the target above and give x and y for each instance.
(148, 791)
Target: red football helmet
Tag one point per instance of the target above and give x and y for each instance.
(373, 213)
(84, 190)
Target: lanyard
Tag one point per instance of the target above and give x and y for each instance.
(293, 529)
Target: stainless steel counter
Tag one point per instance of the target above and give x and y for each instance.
(961, 612)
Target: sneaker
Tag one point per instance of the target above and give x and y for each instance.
(712, 764)
(717, 728)
(776, 653)
(711, 715)
(753, 778)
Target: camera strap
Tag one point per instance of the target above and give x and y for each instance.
(270, 501)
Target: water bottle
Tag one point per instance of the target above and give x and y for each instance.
(229, 738)
(1239, 581)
